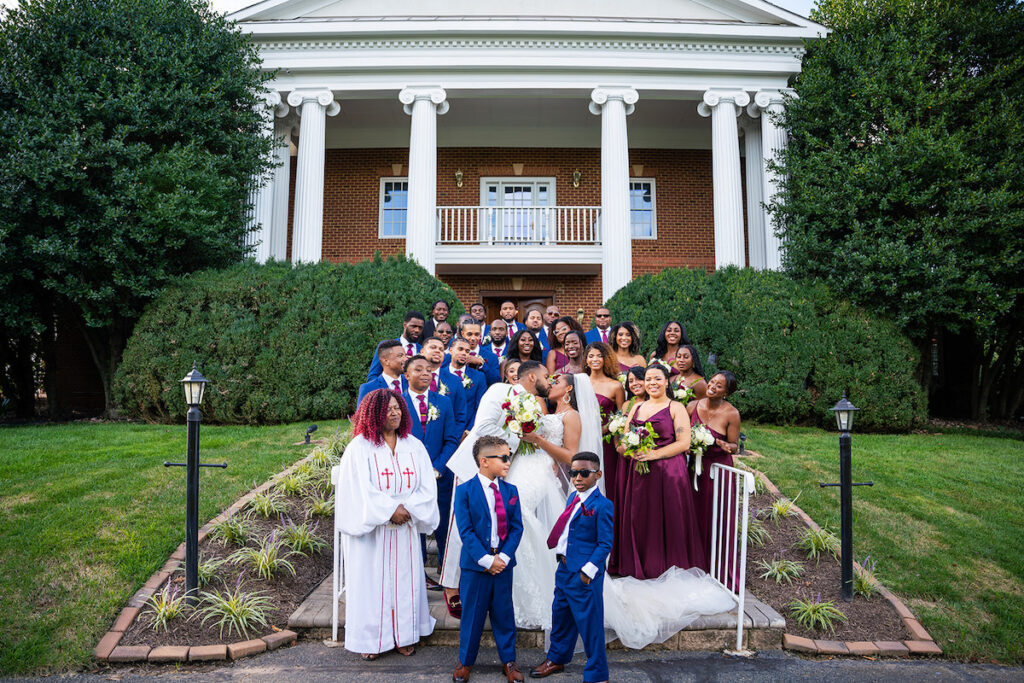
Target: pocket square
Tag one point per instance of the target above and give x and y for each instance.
(587, 513)
(513, 500)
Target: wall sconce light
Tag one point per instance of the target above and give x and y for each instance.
(458, 178)
(576, 177)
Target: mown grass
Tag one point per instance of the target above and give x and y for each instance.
(89, 512)
(943, 520)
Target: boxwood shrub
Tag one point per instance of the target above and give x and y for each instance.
(795, 348)
(278, 343)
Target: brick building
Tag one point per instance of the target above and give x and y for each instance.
(541, 151)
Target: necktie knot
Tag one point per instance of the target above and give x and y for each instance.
(408, 350)
(396, 386)
(459, 373)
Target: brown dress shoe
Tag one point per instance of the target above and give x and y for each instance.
(546, 669)
(512, 672)
(461, 674)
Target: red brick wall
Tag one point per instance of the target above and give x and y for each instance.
(568, 292)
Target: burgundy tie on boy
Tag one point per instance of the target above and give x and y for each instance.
(499, 512)
(563, 519)
(423, 411)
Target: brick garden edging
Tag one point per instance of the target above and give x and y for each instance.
(109, 649)
(921, 644)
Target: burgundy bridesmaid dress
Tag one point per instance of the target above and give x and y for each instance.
(655, 522)
(612, 459)
(704, 495)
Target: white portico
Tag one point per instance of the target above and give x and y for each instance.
(523, 75)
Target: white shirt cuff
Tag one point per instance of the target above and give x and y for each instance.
(504, 558)
(590, 569)
(486, 561)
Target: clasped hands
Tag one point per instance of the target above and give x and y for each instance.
(497, 566)
(400, 516)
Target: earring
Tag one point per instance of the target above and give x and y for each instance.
(565, 399)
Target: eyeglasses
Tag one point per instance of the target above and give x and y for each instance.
(582, 473)
(603, 315)
(503, 458)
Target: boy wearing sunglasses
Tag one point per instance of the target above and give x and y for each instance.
(490, 523)
(581, 539)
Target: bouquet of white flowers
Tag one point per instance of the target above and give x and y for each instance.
(683, 394)
(522, 416)
(700, 439)
(617, 425)
(639, 440)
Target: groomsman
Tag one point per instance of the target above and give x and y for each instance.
(438, 315)
(434, 425)
(550, 316)
(462, 378)
(535, 323)
(471, 331)
(479, 313)
(508, 313)
(444, 382)
(412, 329)
(602, 324)
(391, 359)
(493, 351)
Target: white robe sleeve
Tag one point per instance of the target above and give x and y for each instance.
(363, 507)
(422, 501)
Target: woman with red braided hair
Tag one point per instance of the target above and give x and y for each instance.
(386, 497)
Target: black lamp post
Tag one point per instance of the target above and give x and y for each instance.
(844, 411)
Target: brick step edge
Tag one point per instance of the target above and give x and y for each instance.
(185, 653)
(111, 639)
(922, 642)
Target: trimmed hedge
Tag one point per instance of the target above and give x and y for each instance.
(278, 343)
(794, 347)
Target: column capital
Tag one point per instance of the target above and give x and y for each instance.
(436, 95)
(323, 96)
(713, 97)
(763, 99)
(601, 94)
(273, 103)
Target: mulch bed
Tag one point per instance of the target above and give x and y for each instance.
(286, 591)
(873, 619)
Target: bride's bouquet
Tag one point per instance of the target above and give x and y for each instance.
(639, 440)
(617, 424)
(522, 416)
(700, 439)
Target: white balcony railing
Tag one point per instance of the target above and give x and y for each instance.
(518, 225)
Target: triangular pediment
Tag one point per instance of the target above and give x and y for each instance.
(738, 12)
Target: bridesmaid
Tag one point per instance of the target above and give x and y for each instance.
(635, 390)
(610, 396)
(691, 373)
(671, 337)
(722, 418)
(556, 356)
(524, 346)
(574, 344)
(655, 524)
(510, 370)
(626, 342)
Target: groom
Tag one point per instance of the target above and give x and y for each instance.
(490, 421)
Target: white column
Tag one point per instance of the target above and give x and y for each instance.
(307, 226)
(723, 108)
(754, 168)
(773, 138)
(263, 209)
(423, 104)
(283, 129)
(614, 104)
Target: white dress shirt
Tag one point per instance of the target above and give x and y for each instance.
(590, 569)
(391, 381)
(487, 560)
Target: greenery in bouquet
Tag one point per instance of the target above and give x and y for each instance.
(618, 423)
(639, 440)
(522, 416)
(701, 439)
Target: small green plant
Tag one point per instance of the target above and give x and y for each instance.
(321, 504)
(305, 469)
(336, 445)
(292, 484)
(320, 458)
(266, 558)
(207, 570)
(815, 615)
(865, 582)
(235, 609)
(268, 504)
(781, 570)
(757, 533)
(234, 530)
(165, 606)
(781, 508)
(760, 488)
(817, 542)
(302, 538)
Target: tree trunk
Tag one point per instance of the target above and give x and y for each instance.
(55, 408)
(106, 345)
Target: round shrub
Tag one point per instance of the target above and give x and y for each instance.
(278, 343)
(794, 347)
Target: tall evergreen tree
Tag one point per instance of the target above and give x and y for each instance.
(904, 177)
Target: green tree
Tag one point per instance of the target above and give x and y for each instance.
(904, 176)
(129, 131)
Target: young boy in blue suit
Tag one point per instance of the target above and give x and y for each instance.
(490, 522)
(581, 539)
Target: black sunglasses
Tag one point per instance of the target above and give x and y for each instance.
(503, 458)
(582, 473)
(603, 315)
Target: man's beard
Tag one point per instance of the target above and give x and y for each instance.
(541, 391)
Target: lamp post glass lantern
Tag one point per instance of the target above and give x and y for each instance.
(194, 385)
(844, 411)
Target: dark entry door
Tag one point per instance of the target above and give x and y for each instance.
(524, 302)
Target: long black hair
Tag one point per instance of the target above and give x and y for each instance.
(513, 347)
(662, 346)
(637, 371)
(634, 333)
(697, 366)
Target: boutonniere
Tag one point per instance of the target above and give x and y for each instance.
(466, 381)
(513, 500)
(432, 412)
(486, 340)
(442, 388)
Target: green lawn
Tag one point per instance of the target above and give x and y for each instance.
(943, 520)
(89, 512)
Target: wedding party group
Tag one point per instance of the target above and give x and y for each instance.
(563, 475)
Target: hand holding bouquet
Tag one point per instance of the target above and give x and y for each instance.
(700, 439)
(638, 440)
(522, 416)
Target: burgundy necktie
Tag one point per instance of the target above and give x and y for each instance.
(423, 411)
(563, 519)
(604, 336)
(459, 373)
(499, 512)
(433, 382)
(408, 350)
(397, 386)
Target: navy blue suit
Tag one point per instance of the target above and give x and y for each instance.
(441, 439)
(465, 410)
(578, 608)
(375, 368)
(594, 335)
(473, 393)
(542, 336)
(484, 594)
(492, 365)
(377, 383)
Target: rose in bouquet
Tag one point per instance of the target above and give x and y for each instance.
(639, 440)
(700, 439)
(522, 416)
(617, 424)
(683, 394)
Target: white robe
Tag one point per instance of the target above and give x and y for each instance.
(385, 587)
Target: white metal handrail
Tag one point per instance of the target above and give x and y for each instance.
(729, 516)
(499, 225)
